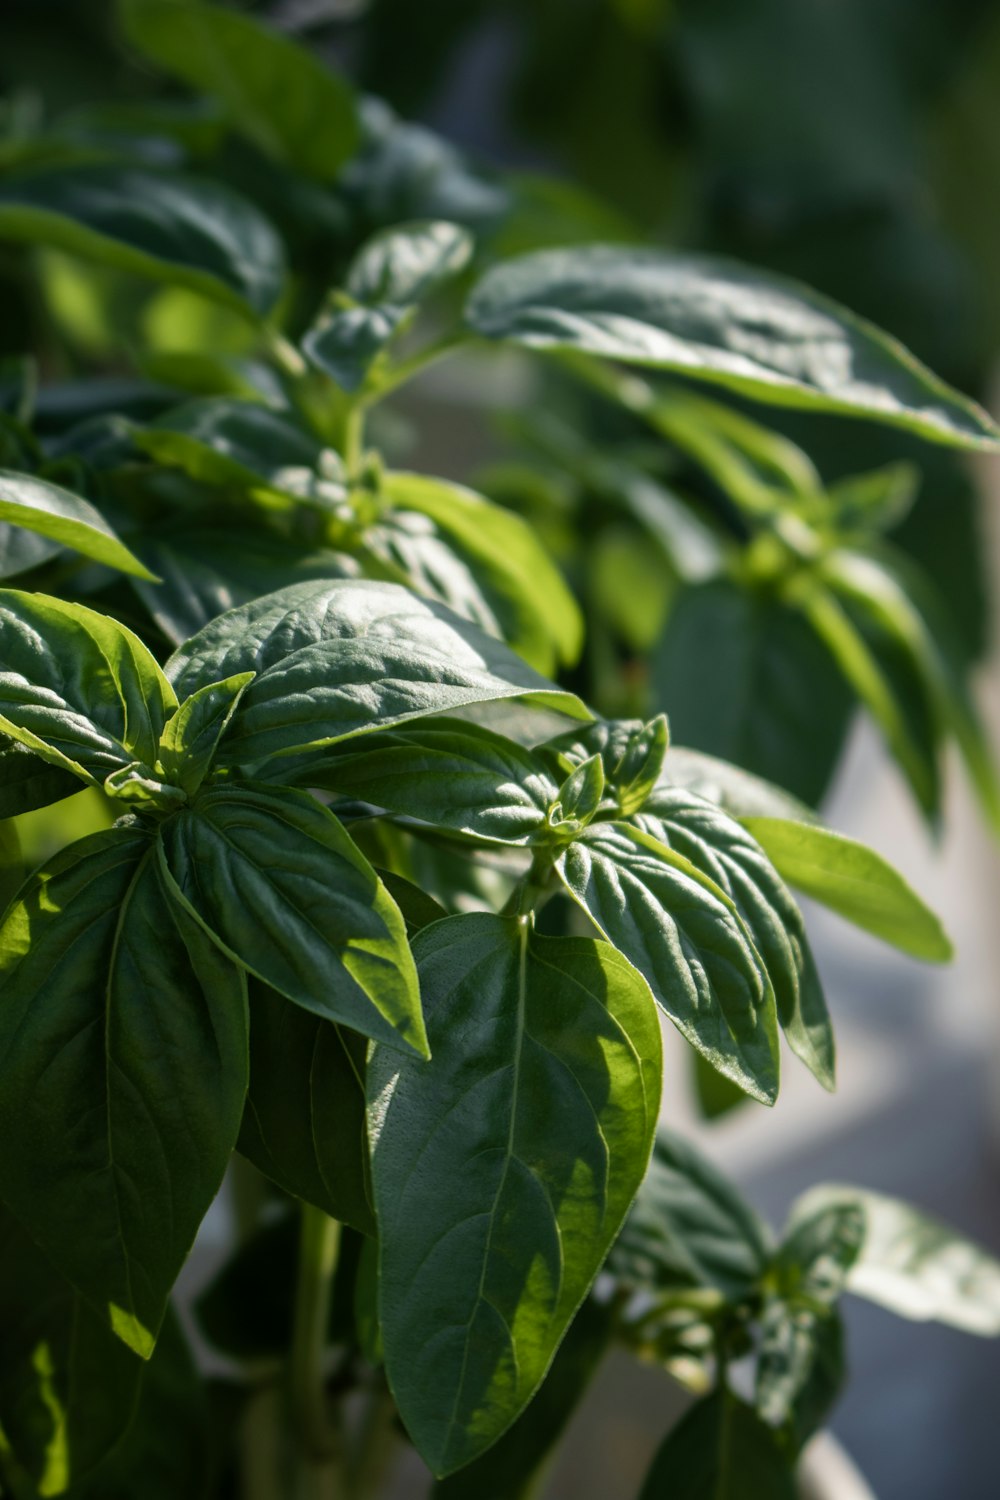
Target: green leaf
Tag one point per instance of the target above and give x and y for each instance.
(345, 658)
(853, 880)
(740, 792)
(123, 1068)
(68, 1387)
(716, 320)
(511, 1469)
(722, 1449)
(176, 229)
(220, 440)
(536, 611)
(579, 797)
(53, 512)
(815, 1258)
(404, 264)
(282, 888)
(632, 754)
(346, 344)
(190, 739)
(419, 910)
(744, 678)
(278, 94)
(911, 1263)
(690, 1229)
(800, 1369)
(77, 688)
(730, 856)
(12, 870)
(685, 935)
(446, 772)
(304, 1125)
(503, 1168)
(28, 782)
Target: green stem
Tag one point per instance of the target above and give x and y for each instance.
(406, 369)
(353, 440)
(318, 1437)
(534, 889)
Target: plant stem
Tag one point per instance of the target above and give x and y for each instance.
(407, 368)
(318, 1439)
(353, 441)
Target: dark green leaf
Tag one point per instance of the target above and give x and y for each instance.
(68, 1387)
(419, 910)
(344, 658)
(28, 782)
(912, 1263)
(853, 880)
(12, 870)
(219, 440)
(53, 512)
(503, 1167)
(280, 95)
(283, 889)
(689, 1229)
(716, 320)
(445, 772)
(740, 792)
(511, 1469)
(304, 1125)
(346, 344)
(78, 688)
(685, 935)
(632, 754)
(743, 677)
(404, 264)
(724, 851)
(176, 229)
(721, 1449)
(189, 741)
(123, 1063)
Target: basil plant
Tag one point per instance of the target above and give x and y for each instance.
(360, 902)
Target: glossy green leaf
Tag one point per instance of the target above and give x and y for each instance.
(689, 1229)
(28, 782)
(283, 889)
(853, 880)
(123, 1068)
(911, 1263)
(191, 737)
(68, 1387)
(404, 264)
(446, 772)
(722, 1449)
(53, 512)
(685, 935)
(513, 1467)
(716, 320)
(744, 678)
(535, 610)
(503, 1167)
(76, 687)
(346, 344)
(631, 752)
(304, 1125)
(176, 229)
(291, 105)
(344, 658)
(724, 851)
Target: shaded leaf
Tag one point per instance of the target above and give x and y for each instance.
(722, 1449)
(55, 513)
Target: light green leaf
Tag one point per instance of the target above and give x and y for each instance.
(282, 888)
(503, 1168)
(853, 880)
(68, 1387)
(12, 870)
(190, 739)
(304, 1125)
(50, 511)
(716, 320)
(77, 688)
(579, 797)
(344, 658)
(689, 1229)
(404, 264)
(445, 772)
(724, 851)
(743, 677)
(722, 1449)
(685, 935)
(800, 1368)
(123, 1068)
(911, 1263)
(631, 752)
(280, 95)
(536, 612)
(176, 229)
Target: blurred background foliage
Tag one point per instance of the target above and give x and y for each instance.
(852, 145)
